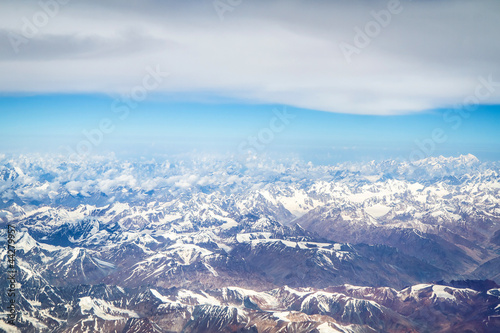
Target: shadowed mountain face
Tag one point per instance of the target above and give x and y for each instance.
(489, 270)
(171, 247)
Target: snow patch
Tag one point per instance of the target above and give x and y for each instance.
(326, 328)
(377, 210)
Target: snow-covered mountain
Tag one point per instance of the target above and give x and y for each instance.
(205, 244)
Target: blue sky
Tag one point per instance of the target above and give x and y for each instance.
(363, 79)
(46, 123)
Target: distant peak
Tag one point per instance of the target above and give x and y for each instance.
(469, 157)
(443, 159)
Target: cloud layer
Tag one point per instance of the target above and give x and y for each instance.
(310, 54)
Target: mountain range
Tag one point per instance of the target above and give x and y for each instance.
(256, 245)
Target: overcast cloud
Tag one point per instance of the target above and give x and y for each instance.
(429, 56)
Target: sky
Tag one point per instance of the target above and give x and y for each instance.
(328, 80)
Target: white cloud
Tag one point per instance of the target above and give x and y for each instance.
(287, 52)
(109, 185)
(80, 187)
